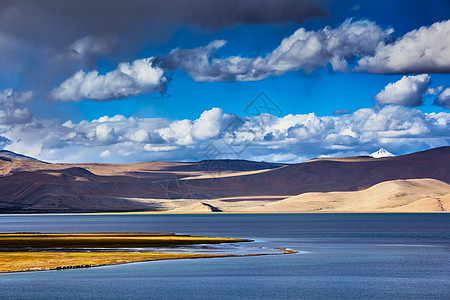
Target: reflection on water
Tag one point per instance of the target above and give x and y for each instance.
(236, 249)
(343, 256)
(232, 249)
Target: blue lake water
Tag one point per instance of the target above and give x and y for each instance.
(342, 256)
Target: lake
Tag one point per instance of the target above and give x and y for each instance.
(341, 256)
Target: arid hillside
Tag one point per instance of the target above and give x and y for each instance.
(338, 184)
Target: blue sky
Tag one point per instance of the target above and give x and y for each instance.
(61, 83)
(295, 92)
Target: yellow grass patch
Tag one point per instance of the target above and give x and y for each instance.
(39, 261)
(103, 240)
(18, 251)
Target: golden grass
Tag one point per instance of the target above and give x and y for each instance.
(18, 250)
(39, 261)
(103, 240)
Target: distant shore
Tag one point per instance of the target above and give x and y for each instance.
(168, 212)
(250, 212)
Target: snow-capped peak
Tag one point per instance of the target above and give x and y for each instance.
(381, 153)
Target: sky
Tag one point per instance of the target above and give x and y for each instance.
(187, 80)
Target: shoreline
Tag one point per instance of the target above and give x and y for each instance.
(254, 212)
(23, 252)
(215, 213)
(137, 257)
(121, 259)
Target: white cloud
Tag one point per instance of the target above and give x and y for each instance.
(435, 91)
(309, 50)
(277, 157)
(303, 50)
(105, 153)
(178, 132)
(408, 91)
(443, 99)
(153, 148)
(127, 80)
(425, 50)
(116, 118)
(208, 125)
(139, 136)
(103, 133)
(291, 138)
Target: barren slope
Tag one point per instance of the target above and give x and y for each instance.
(326, 175)
(412, 195)
(33, 186)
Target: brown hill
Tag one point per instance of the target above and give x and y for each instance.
(14, 163)
(326, 175)
(33, 186)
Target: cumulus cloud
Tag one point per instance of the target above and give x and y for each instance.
(303, 50)
(443, 99)
(354, 46)
(308, 50)
(291, 138)
(61, 37)
(408, 91)
(210, 124)
(127, 80)
(425, 50)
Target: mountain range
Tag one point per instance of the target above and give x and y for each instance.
(417, 182)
